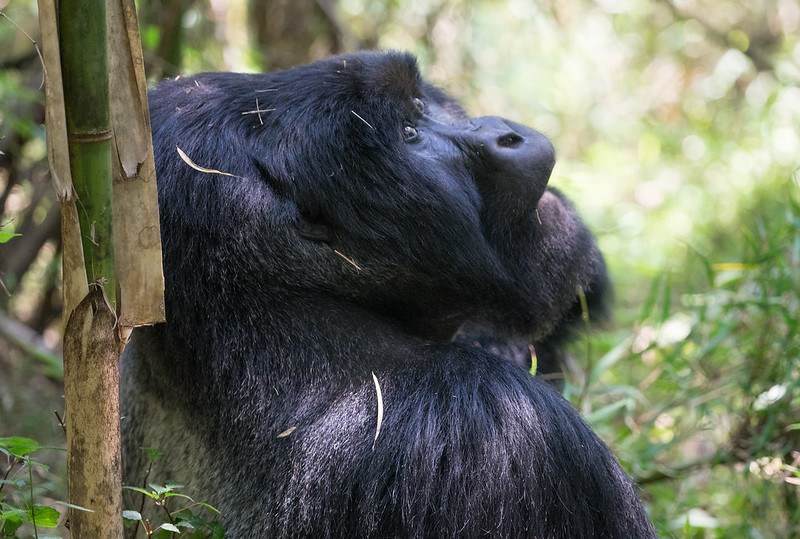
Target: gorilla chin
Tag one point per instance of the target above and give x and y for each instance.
(363, 218)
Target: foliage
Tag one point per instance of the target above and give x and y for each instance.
(20, 513)
(181, 520)
(194, 526)
(717, 401)
(15, 509)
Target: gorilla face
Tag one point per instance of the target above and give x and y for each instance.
(376, 187)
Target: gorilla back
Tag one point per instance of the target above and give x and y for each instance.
(363, 217)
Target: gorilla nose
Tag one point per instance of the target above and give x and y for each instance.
(510, 140)
(512, 155)
(498, 133)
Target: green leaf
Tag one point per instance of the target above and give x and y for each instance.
(160, 490)
(44, 516)
(18, 483)
(34, 464)
(10, 521)
(610, 359)
(709, 269)
(170, 527)
(215, 510)
(5, 236)
(178, 494)
(186, 523)
(73, 506)
(143, 491)
(606, 412)
(218, 531)
(652, 297)
(152, 454)
(131, 515)
(18, 446)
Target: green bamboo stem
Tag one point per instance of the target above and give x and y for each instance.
(84, 60)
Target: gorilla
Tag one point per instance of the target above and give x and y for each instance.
(329, 232)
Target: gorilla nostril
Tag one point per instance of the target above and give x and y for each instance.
(510, 140)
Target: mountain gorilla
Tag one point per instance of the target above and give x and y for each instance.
(333, 228)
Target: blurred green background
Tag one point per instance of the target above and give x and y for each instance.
(677, 124)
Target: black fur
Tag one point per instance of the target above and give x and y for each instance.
(356, 235)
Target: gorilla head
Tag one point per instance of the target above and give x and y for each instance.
(360, 219)
(374, 186)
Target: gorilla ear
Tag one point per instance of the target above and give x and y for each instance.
(314, 229)
(310, 224)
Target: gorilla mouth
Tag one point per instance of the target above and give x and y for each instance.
(517, 350)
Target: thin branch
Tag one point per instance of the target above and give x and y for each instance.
(30, 342)
(720, 457)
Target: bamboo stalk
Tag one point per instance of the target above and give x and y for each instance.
(91, 340)
(84, 63)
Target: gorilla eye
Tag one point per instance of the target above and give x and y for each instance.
(419, 103)
(410, 133)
